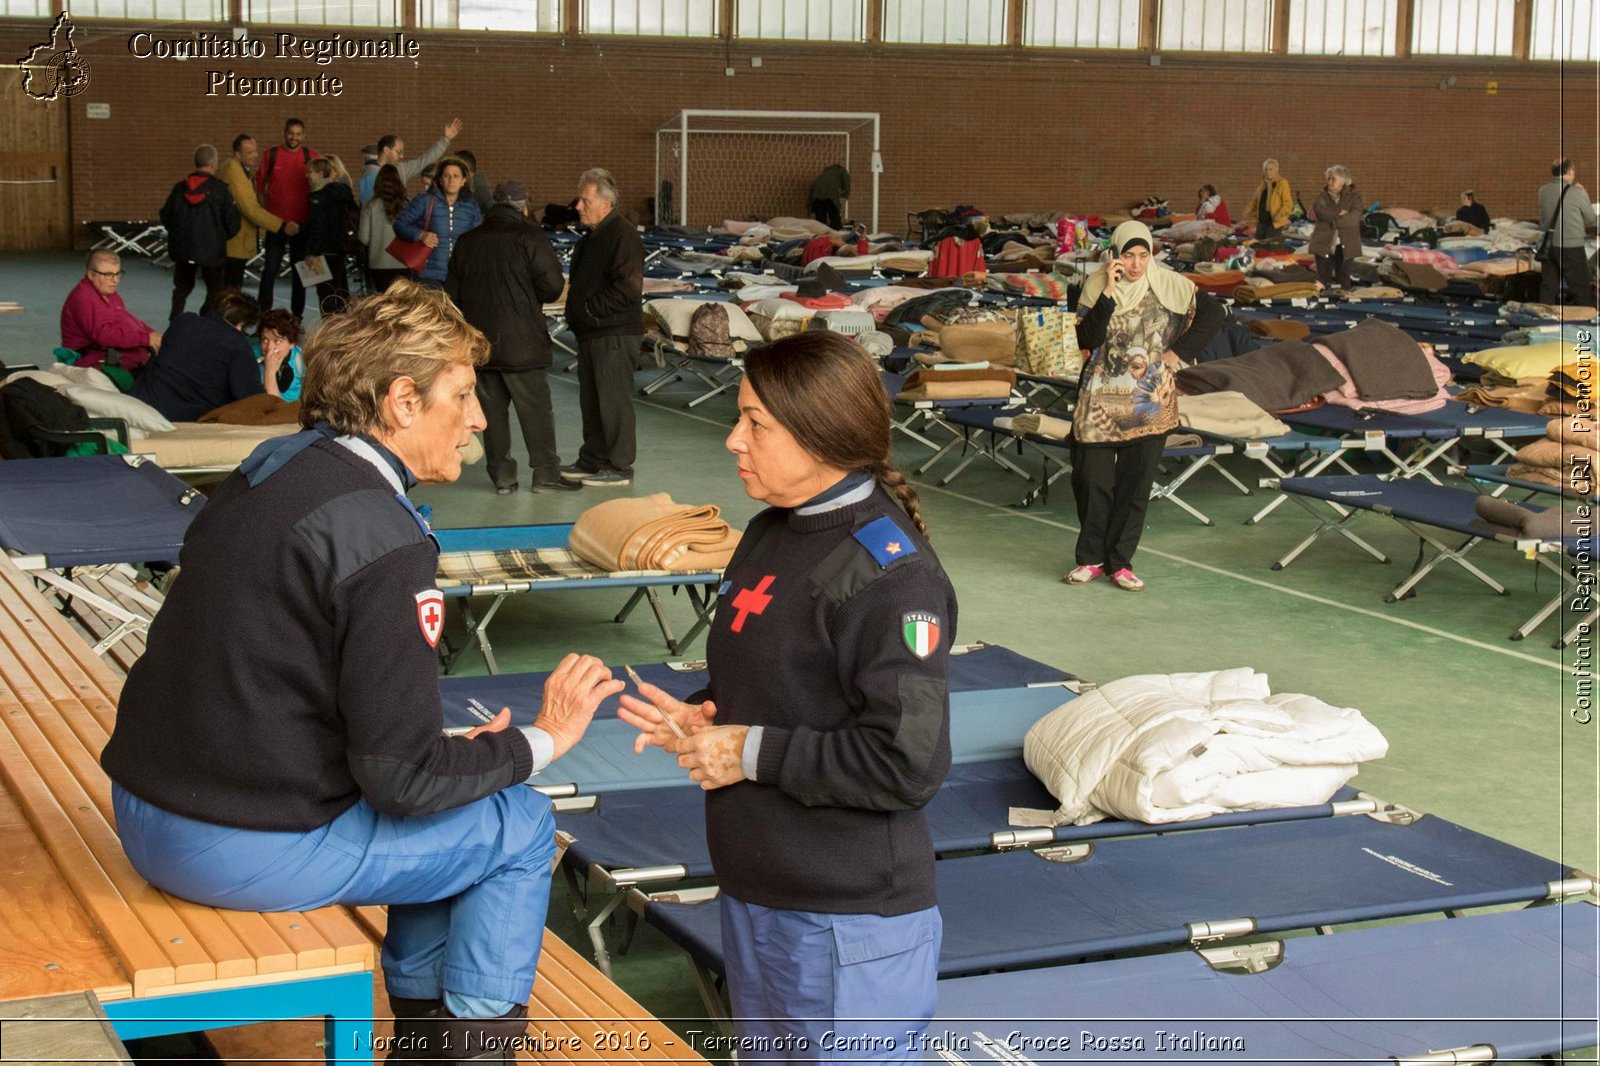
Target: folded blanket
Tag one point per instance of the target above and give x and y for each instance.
(1384, 362)
(1409, 276)
(972, 342)
(1228, 414)
(653, 533)
(1042, 425)
(993, 384)
(1295, 290)
(1280, 329)
(1553, 312)
(1579, 431)
(1548, 524)
(1525, 398)
(1217, 282)
(1565, 457)
(1543, 475)
(1275, 378)
(1045, 286)
(262, 409)
(1183, 440)
(1376, 292)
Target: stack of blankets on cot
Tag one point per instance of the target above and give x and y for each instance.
(1551, 372)
(1373, 366)
(1163, 748)
(1566, 457)
(653, 533)
(958, 381)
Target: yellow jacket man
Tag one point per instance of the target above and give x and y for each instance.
(1270, 207)
(236, 173)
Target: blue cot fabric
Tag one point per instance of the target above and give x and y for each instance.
(94, 509)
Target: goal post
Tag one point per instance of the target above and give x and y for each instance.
(730, 163)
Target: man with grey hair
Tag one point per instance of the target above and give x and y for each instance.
(200, 217)
(97, 325)
(606, 313)
(1565, 213)
(500, 275)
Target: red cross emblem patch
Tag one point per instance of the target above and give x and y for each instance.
(430, 615)
(751, 601)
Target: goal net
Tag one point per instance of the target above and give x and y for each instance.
(740, 164)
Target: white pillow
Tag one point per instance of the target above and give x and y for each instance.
(46, 378)
(101, 404)
(777, 307)
(674, 315)
(91, 376)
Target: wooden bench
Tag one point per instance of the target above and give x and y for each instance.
(158, 963)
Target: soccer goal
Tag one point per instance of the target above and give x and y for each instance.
(730, 164)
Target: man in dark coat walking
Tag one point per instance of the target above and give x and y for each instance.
(500, 275)
(200, 217)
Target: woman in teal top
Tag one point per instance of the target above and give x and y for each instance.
(278, 350)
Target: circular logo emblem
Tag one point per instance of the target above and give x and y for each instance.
(69, 73)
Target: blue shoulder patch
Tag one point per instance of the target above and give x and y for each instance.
(885, 541)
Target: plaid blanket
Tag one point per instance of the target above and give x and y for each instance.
(1426, 256)
(536, 564)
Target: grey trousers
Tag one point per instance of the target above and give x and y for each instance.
(605, 398)
(1570, 268)
(528, 393)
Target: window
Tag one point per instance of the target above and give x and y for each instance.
(1462, 27)
(25, 9)
(650, 18)
(542, 16)
(144, 10)
(802, 20)
(1342, 27)
(1082, 23)
(321, 12)
(1565, 29)
(944, 21)
(1216, 25)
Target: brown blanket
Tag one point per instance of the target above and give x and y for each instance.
(1384, 362)
(1275, 378)
(653, 533)
(262, 409)
(958, 384)
(1519, 521)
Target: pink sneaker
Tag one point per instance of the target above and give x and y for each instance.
(1126, 579)
(1084, 574)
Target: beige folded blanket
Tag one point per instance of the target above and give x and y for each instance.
(1549, 453)
(1228, 414)
(653, 533)
(1543, 475)
(1042, 425)
(1569, 431)
(992, 384)
(1525, 398)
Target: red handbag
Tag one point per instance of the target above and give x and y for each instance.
(414, 254)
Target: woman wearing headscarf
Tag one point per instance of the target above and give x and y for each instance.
(1336, 239)
(1140, 323)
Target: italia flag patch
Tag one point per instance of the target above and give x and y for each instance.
(430, 615)
(921, 632)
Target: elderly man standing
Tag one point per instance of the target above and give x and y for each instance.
(237, 174)
(605, 312)
(200, 217)
(500, 275)
(97, 325)
(392, 152)
(1564, 214)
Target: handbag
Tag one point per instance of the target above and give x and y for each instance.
(1546, 250)
(1047, 343)
(414, 254)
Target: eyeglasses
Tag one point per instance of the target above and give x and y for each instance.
(106, 273)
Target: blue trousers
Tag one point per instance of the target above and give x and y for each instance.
(467, 889)
(837, 988)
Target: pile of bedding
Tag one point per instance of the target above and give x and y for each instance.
(653, 533)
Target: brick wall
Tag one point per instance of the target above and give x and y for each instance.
(1008, 131)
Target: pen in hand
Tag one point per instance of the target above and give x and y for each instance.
(672, 723)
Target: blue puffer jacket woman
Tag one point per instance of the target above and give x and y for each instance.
(452, 215)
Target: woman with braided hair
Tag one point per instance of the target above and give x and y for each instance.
(826, 724)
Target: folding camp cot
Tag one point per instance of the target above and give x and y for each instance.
(1421, 509)
(1097, 897)
(919, 416)
(1499, 475)
(58, 515)
(1381, 432)
(1416, 993)
(141, 237)
(1497, 425)
(1290, 454)
(500, 561)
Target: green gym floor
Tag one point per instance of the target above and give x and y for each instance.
(1479, 727)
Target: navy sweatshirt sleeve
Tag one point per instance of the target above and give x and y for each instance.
(896, 753)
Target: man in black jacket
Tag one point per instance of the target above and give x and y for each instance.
(605, 312)
(200, 217)
(205, 361)
(500, 275)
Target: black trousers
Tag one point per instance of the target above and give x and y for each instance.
(380, 280)
(605, 398)
(233, 273)
(183, 284)
(276, 246)
(826, 212)
(527, 392)
(1111, 485)
(1332, 269)
(334, 296)
(1569, 268)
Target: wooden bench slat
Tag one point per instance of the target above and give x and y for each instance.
(340, 930)
(310, 950)
(272, 955)
(143, 960)
(90, 680)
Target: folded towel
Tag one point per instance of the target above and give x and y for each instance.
(1042, 425)
(1228, 414)
(653, 533)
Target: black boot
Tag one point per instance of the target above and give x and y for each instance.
(416, 1030)
(482, 1039)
